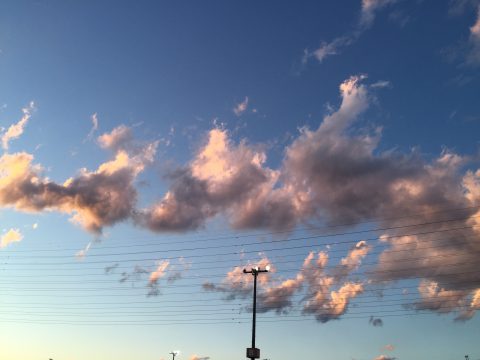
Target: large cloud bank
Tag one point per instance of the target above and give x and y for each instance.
(332, 174)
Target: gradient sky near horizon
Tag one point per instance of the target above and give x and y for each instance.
(151, 150)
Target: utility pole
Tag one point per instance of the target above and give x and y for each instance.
(253, 352)
(174, 353)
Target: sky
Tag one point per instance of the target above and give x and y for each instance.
(152, 150)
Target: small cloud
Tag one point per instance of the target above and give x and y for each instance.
(368, 13)
(240, 108)
(11, 236)
(111, 268)
(375, 321)
(473, 57)
(369, 9)
(389, 347)
(381, 84)
(16, 130)
(384, 357)
(35, 226)
(80, 255)
(196, 357)
(331, 48)
(155, 276)
(94, 120)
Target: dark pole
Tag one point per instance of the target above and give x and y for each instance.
(254, 271)
(255, 274)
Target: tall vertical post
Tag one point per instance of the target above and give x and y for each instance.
(254, 317)
(254, 353)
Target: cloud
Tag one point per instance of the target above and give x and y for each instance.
(389, 347)
(336, 173)
(111, 268)
(375, 321)
(381, 84)
(223, 177)
(118, 139)
(466, 52)
(135, 275)
(473, 55)
(237, 284)
(352, 261)
(438, 299)
(80, 255)
(16, 130)
(94, 198)
(94, 120)
(156, 275)
(165, 270)
(384, 357)
(241, 107)
(10, 237)
(458, 7)
(325, 296)
(369, 9)
(196, 357)
(327, 49)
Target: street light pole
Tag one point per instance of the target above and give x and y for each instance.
(173, 353)
(253, 352)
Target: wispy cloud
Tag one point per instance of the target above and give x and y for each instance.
(369, 9)
(94, 120)
(384, 357)
(155, 276)
(16, 130)
(473, 55)
(241, 107)
(389, 347)
(196, 357)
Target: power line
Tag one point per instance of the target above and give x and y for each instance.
(449, 254)
(235, 320)
(281, 256)
(310, 228)
(253, 251)
(279, 240)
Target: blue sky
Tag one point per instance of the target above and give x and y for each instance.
(151, 150)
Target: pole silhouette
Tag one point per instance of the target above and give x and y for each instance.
(253, 352)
